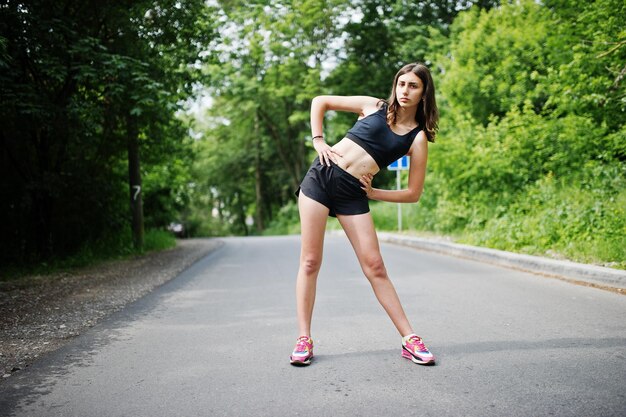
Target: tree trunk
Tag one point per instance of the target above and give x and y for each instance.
(258, 176)
(134, 176)
(42, 198)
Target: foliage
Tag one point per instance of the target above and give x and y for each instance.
(77, 80)
(253, 149)
(531, 159)
(273, 59)
(287, 222)
(553, 217)
(114, 246)
(497, 59)
(157, 239)
(530, 155)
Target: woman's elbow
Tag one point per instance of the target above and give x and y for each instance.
(319, 101)
(414, 197)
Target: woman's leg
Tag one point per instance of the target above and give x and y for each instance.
(313, 216)
(362, 235)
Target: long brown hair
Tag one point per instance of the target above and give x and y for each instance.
(427, 114)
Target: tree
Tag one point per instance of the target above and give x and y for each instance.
(590, 80)
(269, 69)
(79, 82)
(528, 158)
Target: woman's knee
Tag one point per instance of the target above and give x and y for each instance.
(374, 267)
(310, 264)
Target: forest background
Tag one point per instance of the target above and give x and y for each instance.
(115, 116)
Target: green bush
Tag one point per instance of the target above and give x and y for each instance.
(114, 246)
(201, 224)
(584, 221)
(158, 240)
(286, 222)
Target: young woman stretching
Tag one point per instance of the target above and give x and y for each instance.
(339, 184)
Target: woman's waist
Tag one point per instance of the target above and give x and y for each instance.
(354, 159)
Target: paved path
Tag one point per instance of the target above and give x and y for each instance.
(216, 340)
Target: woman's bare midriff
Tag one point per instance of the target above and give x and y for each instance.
(354, 159)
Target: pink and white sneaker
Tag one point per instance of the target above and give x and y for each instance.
(303, 352)
(413, 348)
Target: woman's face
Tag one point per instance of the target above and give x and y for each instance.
(409, 90)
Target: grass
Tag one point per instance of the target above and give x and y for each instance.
(566, 231)
(113, 247)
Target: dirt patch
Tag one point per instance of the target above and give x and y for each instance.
(42, 313)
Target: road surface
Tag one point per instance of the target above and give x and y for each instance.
(216, 340)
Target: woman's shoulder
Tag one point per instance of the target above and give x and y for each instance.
(375, 105)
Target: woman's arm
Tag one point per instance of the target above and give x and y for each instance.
(362, 105)
(417, 174)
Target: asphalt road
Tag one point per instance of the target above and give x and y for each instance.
(216, 340)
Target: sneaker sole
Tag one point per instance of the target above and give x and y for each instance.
(408, 355)
(300, 363)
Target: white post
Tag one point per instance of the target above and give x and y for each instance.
(398, 187)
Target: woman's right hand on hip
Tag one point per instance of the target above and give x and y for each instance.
(325, 152)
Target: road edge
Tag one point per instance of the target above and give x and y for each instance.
(582, 274)
(86, 301)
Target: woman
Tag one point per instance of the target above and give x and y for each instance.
(339, 184)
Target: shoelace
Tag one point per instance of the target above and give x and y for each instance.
(416, 340)
(302, 344)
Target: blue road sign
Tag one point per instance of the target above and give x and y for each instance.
(400, 164)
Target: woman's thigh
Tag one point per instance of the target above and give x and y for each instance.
(313, 217)
(362, 235)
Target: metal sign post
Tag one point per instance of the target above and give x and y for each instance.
(399, 165)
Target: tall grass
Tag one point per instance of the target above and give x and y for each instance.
(115, 246)
(582, 221)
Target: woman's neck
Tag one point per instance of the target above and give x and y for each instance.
(405, 116)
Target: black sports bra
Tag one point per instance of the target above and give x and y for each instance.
(374, 135)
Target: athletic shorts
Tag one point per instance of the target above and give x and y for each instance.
(334, 188)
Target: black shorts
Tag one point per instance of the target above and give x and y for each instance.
(334, 188)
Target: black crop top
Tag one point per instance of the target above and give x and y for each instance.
(374, 135)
